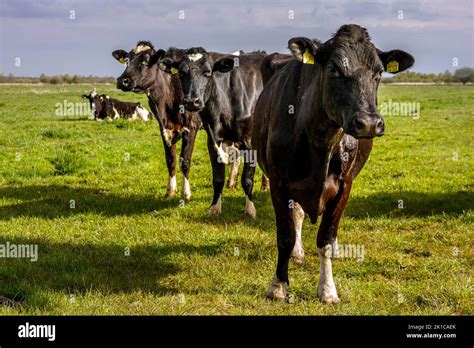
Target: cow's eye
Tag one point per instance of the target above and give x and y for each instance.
(207, 73)
(378, 74)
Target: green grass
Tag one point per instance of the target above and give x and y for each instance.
(418, 260)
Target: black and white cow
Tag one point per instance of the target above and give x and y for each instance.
(224, 91)
(104, 107)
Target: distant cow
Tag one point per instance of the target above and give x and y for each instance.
(224, 92)
(165, 97)
(104, 107)
(313, 129)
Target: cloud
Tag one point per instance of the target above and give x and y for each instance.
(47, 40)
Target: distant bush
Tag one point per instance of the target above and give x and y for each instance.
(57, 79)
(462, 75)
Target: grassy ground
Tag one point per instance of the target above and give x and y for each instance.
(418, 259)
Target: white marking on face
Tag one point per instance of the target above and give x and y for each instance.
(141, 48)
(326, 287)
(298, 216)
(93, 93)
(195, 56)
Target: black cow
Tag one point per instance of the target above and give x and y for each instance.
(224, 92)
(165, 96)
(104, 107)
(313, 129)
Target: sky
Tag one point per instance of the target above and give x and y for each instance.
(78, 36)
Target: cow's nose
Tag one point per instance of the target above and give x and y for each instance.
(192, 102)
(125, 82)
(368, 126)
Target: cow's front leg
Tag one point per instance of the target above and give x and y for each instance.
(278, 289)
(189, 138)
(170, 155)
(297, 253)
(327, 241)
(218, 179)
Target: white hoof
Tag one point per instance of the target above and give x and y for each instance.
(216, 209)
(278, 290)
(250, 208)
(297, 255)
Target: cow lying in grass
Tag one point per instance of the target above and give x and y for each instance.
(105, 108)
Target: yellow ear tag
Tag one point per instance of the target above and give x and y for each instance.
(392, 66)
(174, 70)
(308, 58)
(123, 60)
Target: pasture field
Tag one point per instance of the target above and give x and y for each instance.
(91, 196)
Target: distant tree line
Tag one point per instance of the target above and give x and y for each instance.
(57, 79)
(461, 75)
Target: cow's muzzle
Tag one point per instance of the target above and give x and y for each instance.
(124, 83)
(366, 126)
(193, 104)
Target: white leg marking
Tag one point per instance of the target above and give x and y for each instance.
(172, 187)
(234, 173)
(216, 209)
(298, 216)
(168, 136)
(116, 114)
(186, 190)
(277, 290)
(326, 289)
(222, 156)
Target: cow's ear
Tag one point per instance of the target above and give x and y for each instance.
(303, 49)
(396, 61)
(120, 55)
(156, 57)
(224, 65)
(168, 65)
(84, 96)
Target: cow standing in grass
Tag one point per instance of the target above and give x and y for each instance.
(313, 129)
(165, 96)
(224, 92)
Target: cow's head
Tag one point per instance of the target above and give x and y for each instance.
(350, 72)
(196, 69)
(140, 67)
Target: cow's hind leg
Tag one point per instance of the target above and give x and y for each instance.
(278, 289)
(327, 239)
(218, 179)
(189, 138)
(234, 172)
(265, 183)
(247, 184)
